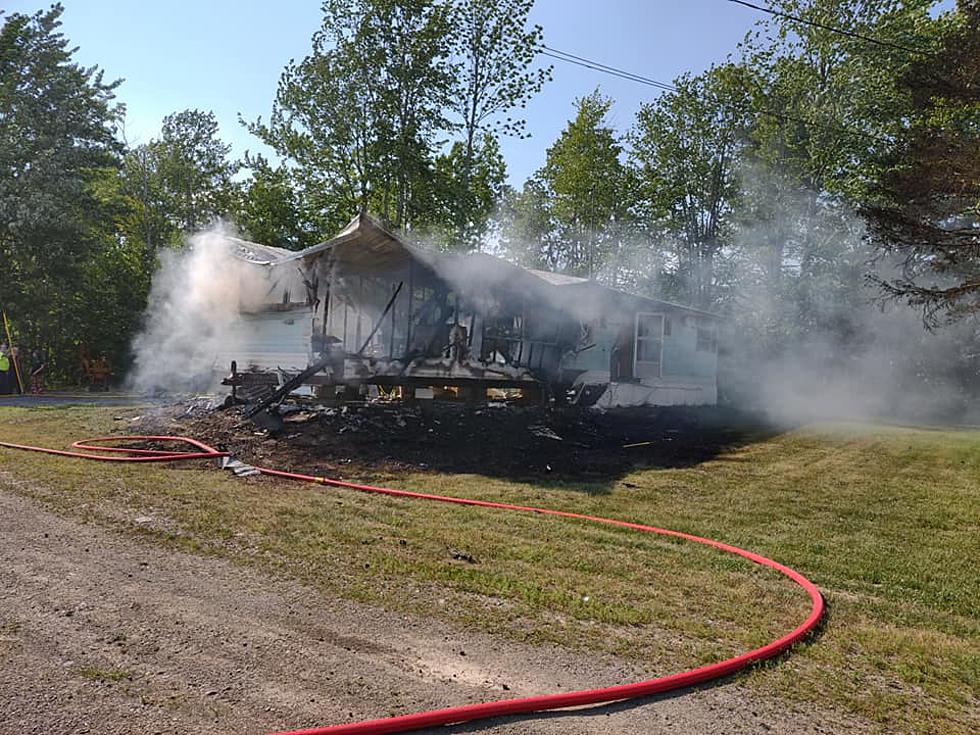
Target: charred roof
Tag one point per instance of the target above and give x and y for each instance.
(366, 244)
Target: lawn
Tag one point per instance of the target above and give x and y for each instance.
(885, 520)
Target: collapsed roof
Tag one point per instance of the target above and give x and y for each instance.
(365, 243)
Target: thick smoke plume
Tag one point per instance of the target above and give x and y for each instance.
(197, 293)
(822, 346)
(896, 371)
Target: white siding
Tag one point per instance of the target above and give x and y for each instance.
(270, 340)
(674, 393)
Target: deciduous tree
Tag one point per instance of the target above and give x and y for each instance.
(686, 146)
(494, 51)
(358, 117)
(586, 180)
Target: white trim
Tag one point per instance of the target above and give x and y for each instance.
(636, 337)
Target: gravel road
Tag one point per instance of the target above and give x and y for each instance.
(103, 633)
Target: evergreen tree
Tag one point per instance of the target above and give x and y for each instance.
(927, 212)
(57, 141)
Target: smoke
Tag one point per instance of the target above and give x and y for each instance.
(810, 338)
(490, 284)
(895, 370)
(197, 294)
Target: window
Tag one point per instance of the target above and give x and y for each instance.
(649, 345)
(707, 341)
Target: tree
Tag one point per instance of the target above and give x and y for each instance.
(270, 211)
(828, 103)
(686, 146)
(927, 213)
(478, 177)
(57, 141)
(115, 279)
(494, 50)
(150, 219)
(181, 181)
(358, 116)
(528, 231)
(586, 186)
(823, 107)
(194, 170)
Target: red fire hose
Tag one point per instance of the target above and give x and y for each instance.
(466, 713)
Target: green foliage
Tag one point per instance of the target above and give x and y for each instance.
(733, 192)
(686, 146)
(581, 190)
(358, 116)
(528, 232)
(824, 109)
(57, 143)
(360, 119)
(828, 104)
(493, 55)
(270, 211)
(475, 177)
(115, 280)
(927, 204)
(181, 181)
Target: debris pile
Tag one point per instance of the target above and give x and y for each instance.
(501, 440)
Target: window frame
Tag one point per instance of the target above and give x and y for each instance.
(712, 341)
(636, 343)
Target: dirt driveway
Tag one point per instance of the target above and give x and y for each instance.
(102, 633)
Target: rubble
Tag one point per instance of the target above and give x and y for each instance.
(238, 467)
(512, 440)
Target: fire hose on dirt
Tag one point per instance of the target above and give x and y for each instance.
(106, 449)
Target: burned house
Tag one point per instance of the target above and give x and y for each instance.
(374, 310)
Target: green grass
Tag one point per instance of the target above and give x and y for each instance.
(885, 520)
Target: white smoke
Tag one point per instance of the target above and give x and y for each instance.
(196, 294)
(820, 346)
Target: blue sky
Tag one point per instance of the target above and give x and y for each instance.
(226, 56)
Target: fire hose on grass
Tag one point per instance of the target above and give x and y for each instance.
(111, 453)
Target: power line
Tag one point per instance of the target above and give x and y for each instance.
(824, 26)
(627, 77)
(587, 63)
(604, 68)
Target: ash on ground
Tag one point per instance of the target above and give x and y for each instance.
(494, 440)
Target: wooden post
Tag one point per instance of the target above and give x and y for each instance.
(411, 308)
(391, 337)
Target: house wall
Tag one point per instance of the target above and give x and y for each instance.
(687, 373)
(513, 332)
(269, 340)
(682, 358)
(603, 332)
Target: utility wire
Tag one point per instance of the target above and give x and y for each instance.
(605, 68)
(627, 77)
(640, 79)
(824, 26)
